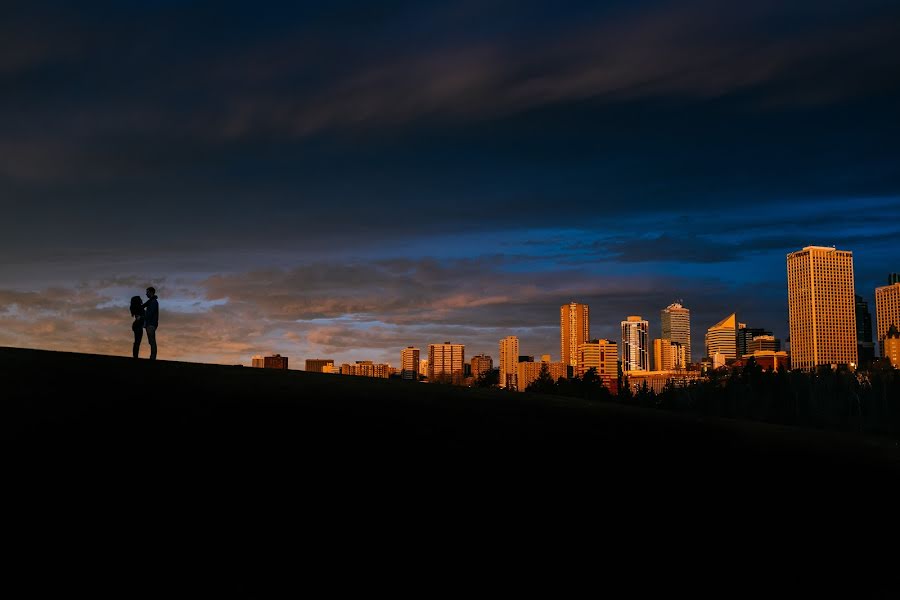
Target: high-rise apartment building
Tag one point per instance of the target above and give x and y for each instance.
(409, 363)
(366, 368)
(530, 371)
(445, 362)
(574, 330)
(275, 361)
(676, 326)
(887, 311)
(865, 347)
(603, 356)
(635, 345)
(319, 365)
(721, 340)
(821, 307)
(481, 363)
(509, 361)
(423, 367)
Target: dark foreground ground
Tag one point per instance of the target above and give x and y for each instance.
(209, 417)
(168, 449)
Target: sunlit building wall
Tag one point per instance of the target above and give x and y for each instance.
(574, 328)
(602, 355)
(887, 311)
(409, 363)
(721, 339)
(675, 321)
(635, 349)
(821, 307)
(509, 360)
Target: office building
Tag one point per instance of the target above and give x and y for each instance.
(603, 356)
(423, 367)
(574, 328)
(721, 341)
(481, 363)
(319, 365)
(668, 355)
(635, 348)
(887, 311)
(763, 343)
(745, 335)
(865, 346)
(409, 363)
(675, 322)
(821, 307)
(509, 360)
(445, 362)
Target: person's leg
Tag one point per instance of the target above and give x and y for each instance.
(138, 335)
(151, 338)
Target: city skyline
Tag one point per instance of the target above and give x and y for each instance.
(345, 180)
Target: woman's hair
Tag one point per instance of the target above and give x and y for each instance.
(136, 305)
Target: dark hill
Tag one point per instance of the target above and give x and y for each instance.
(173, 412)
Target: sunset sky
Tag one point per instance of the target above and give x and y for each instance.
(343, 179)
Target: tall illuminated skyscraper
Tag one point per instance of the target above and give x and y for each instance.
(635, 348)
(887, 310)
(721, 340)
(409, 363)
(676, 327)
(821, 307)
(509, 362)
(574, 329)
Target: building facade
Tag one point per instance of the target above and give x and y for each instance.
(602, 355)
(409, 363)
(668, 355)
(366, 368)
(745, 335)
(635, 348)
(892, 347)
(319, 365)
(763, 343)
(528, 372)
(721, 340)
(574, 330)
(865, 346)
(445, 362)
(508, 364)
(481, 363)
(675, 322)
(887, 311)
(821, 307)
(275, 361)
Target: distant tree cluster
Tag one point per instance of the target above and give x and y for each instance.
(827, 399)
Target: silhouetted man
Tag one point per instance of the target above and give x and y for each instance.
(151, 320)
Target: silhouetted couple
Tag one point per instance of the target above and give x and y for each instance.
(146, 316)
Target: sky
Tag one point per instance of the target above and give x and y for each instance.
(344, 179)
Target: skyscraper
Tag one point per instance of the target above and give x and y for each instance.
(865, 347)
(676, 327)
(445, 362)
(721, 340)
(409, 363)
(574, 329)
(603, 356)
(668, 355)
(635, 350)
(509, 361)
(745, 335)
(887, 310)
(821, 307)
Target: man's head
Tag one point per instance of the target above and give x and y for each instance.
(151, 292)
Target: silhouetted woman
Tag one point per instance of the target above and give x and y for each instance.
(137, 312)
